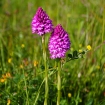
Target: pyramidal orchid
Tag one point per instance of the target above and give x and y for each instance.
(41, 24)
(59, 42)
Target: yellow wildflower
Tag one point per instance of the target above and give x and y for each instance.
(35, 63)
(9, 60)
(8, 75)
(2, 80)
(21, 66)
(89, 47)
(4, 76)
(80, 50)
(8, 102)
(22, 45)
(69, 95)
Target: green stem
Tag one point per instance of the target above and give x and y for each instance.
(103, 31)
(77, 98)
(38, 92)
(2, 55)
(67, 15)
(27, 100)
(41, 87)
(87, 19)
(57, 12)
(46, 71)
(59, 83)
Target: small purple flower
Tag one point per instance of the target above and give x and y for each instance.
(59, 42)
(41, 23)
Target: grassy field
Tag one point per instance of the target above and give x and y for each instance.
(21, 55)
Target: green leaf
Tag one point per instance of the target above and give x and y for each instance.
(18, 78)
(103, 102)
(70, 55)
(42, 67)
(63, 102)
(83, 52)
(90, 101)
(75, 54)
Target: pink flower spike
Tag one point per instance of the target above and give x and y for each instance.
(59, 42)
(41, 24)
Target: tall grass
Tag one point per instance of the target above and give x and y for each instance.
(82, 80)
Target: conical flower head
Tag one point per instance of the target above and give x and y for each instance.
(41, 24)
(59, 42)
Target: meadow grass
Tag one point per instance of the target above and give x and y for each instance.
(21, 55)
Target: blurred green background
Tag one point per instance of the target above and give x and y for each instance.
(20, 50)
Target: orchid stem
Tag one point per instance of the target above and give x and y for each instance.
(59, 83)
(46, 71)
